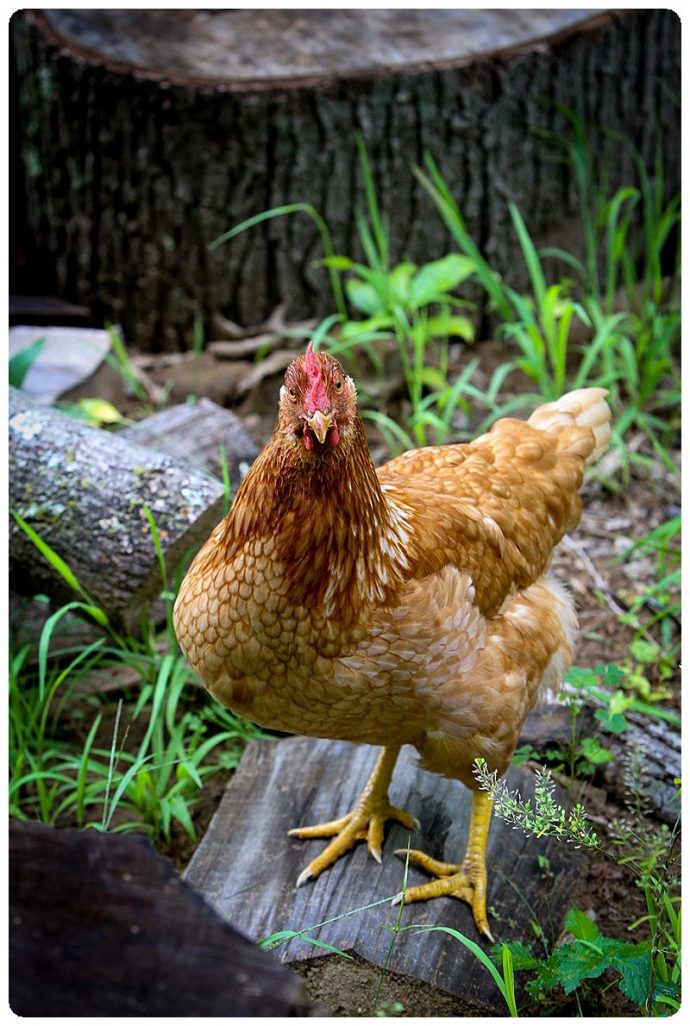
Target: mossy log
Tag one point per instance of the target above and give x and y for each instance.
(85, 491)
(138, 137)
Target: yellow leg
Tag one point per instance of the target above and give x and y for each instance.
(364, 823)
(467, 880)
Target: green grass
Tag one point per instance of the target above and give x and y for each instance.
(113, 782)
(167, 738)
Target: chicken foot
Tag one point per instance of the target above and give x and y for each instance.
(466, 880)
(365, 822)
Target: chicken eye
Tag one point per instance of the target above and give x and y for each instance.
(292, 394)
(338, 385)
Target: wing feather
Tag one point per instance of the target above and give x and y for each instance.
(494, 508)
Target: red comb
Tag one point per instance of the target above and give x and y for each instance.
(310, 361)
(316, 397)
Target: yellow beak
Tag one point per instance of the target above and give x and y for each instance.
(319, 423)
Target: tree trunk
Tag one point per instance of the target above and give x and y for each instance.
(84, 491)
(138, 139)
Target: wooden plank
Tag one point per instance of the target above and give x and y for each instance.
(101, 925)
(246, 866)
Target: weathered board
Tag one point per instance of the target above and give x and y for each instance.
(101, 925)
(246, 866)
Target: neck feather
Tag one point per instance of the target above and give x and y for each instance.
(341, 540)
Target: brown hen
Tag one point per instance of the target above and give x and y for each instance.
(405, 605)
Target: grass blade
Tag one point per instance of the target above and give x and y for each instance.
(478, 952)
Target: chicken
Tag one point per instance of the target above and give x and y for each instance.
(405, 605)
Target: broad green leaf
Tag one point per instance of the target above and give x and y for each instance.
(399, 279)
(594, 752)
(633, 962)
(378, 323)
(580, 925)
(452, 325)
(433, 280)
(364, 297)
(576, 962)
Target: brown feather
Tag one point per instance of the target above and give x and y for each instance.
(404, 605)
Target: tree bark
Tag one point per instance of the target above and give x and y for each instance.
(84, 491)
(138, 140)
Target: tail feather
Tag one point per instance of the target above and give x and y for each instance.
(583, 408)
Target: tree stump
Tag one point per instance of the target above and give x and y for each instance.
(139, 137)
(246, 867)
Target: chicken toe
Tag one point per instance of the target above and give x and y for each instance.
(466, 880)
(366, 821)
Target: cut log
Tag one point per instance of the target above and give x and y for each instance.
(85, 492)
(157, 130)
(195, 433)
(101, 925)
(246, 867)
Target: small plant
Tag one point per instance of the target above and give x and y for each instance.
(543, 816)
(649, 970)
(629, 314)
(540, 324)
(631, 264)
(587, 957)
(415, 306)
(602, 686)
